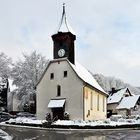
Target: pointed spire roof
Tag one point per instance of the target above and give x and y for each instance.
(64, 26)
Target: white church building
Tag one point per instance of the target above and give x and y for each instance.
(66, 87)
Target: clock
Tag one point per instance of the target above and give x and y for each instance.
(61, 52)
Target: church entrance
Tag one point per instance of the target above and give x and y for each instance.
(58, 113)
(58, 108)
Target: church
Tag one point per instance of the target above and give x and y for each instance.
(67, 90)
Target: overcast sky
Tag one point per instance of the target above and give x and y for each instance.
(107, 31)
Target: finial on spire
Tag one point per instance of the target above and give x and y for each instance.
(63, 6)
(63, 22)
(63, 9)
(63, 25)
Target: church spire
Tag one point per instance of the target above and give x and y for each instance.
(64, 26)
(63, 40)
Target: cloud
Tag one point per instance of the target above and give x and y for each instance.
(107, 32)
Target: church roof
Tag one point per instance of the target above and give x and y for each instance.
(64, 25)
(86, 76)
(81, 72)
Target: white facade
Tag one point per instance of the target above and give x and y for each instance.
(71, 90)
(71, 95)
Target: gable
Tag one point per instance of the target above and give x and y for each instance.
(57, 69)
(128, 102)
(81, 73)
(116, 97)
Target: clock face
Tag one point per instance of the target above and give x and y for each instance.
(61, 52)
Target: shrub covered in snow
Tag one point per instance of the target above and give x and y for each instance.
(108, 123)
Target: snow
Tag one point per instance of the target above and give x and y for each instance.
(25, 74)
(5, 136)
(128, 102)
(86, 76)
(108, 82)
(56, 103)
(12, 87)
(22, 120)
(108, 122)
(81, 72)
(3, 83)
(116, 97)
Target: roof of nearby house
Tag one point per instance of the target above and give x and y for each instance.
(116, 97)
(128, 102)
(81, 72)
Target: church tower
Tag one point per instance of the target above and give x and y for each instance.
(63, 40)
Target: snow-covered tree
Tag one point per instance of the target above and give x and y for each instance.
(25, 75)
(5, 69)
(107, 83)
(5, 65)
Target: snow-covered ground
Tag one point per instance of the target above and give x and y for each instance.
(107, 122)
(5, 136)
(114, 121)
(24, 120)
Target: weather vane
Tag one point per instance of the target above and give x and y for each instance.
(63, 8)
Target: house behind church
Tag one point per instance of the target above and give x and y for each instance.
(122, 102)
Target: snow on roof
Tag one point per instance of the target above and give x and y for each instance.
(116, 97)
(56, 103)
(86, 76)
(12, 87)
(128, 102)
(81, 72)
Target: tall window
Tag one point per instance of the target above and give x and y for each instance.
(52, 76)
(103, 104)
(98, 102)
(65, 73)
(91, 101)
(58, 90)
